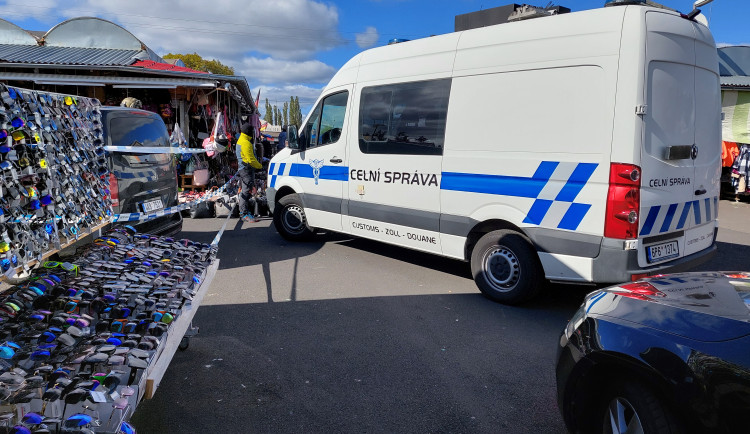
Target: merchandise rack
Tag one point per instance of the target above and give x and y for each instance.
(18, 272)
(30, 104)
(151, 378)
(181, 329)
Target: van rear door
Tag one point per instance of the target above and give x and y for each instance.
(680, 156)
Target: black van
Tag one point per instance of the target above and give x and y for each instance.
(141, 182)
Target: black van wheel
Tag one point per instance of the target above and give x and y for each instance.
(505, 267)
(290, 220)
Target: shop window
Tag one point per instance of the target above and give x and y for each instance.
(406, 118)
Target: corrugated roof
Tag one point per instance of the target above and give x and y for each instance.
(150, 64)
(66, 55)
(736, 80)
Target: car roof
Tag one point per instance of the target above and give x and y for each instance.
(119, 109)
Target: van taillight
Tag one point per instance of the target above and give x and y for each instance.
(114, 190)
(623, 201)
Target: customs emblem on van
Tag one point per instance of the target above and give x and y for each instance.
(316, 165)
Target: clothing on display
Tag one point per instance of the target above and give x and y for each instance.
(741, 169)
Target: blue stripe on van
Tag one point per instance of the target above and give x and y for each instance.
(655, 219)
(697, 212)
(669, 217)
(708, 208)
(538, 211)
(516, 186)
(684, 216)
(332, 173)
(575, 183)
(648, 225)
(574, 216)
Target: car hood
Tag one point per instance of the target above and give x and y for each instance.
(708, 307)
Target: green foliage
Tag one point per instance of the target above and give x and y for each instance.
(195, 61)
(295, 113)
(289, 115)
(268, 117)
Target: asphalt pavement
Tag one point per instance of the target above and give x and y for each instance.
(347, 335)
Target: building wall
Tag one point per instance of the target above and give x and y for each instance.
(736, 108)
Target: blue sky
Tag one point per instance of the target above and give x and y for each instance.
(292, 47)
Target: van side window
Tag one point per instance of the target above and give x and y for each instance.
(327, 120)
(406, 118)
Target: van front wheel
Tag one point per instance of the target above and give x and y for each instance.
(290, 220)
(505, 267)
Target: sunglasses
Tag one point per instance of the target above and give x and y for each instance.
(17, 122)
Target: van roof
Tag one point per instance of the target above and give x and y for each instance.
(431, 56)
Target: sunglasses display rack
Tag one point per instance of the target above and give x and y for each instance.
(53, 175)
(83, 341)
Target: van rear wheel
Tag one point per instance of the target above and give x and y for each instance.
(290, 220)
(505, 267)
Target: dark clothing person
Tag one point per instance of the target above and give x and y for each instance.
(247, 164)
(247, 197)
(282, 140)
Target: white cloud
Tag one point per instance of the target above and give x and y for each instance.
(269, 42)
(219, 29)
(368, 38)
(279, 95)
(269, 70)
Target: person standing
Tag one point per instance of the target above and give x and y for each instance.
(247, 164)
(282, 139)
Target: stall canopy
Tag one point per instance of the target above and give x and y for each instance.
(93, 52)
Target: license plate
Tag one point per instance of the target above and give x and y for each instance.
(152, 205)
(663, 251)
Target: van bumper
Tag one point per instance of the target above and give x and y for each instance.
(615, 265)
(271, 198)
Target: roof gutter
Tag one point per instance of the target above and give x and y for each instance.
(181, 79)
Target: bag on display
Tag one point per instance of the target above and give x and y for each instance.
(203, 210)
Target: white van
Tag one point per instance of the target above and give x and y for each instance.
(582, 147)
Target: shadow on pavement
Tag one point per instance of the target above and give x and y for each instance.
(431, 363)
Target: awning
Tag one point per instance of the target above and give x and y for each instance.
(119, 82)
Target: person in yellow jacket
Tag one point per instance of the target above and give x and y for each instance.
(247, 163)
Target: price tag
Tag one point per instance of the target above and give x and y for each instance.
(10, 273)
(98, 396)
(114, 395)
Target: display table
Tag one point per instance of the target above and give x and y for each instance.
(83, 342)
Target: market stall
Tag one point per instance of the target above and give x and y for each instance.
(84, 337)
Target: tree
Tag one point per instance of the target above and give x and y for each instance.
(268, 117)
(295, 114)
(277, 116)
(195, 61)
(285, 113)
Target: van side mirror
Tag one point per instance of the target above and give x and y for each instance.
(296, 141)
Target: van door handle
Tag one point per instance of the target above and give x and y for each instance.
(336, 160)
(700, 192)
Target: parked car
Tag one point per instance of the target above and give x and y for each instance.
(141, 182)
(669, 354)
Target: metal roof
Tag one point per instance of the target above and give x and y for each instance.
(35, 54)
(734, 60)
(735, 81)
